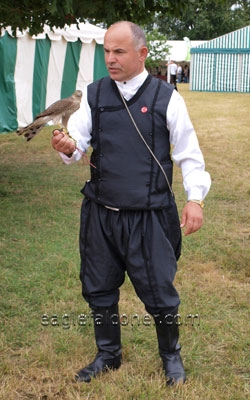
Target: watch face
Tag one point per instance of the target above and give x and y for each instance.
(200, 202)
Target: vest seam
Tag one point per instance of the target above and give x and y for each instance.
(153, 142)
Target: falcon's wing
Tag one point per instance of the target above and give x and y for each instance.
(61, 110)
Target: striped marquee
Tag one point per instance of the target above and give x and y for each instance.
(222, 64)
(37, 71)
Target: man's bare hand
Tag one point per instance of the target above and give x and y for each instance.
(62, 142)
(192, 218)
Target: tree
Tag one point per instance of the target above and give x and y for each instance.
(205, 19)
(33, 14)
(157, 49)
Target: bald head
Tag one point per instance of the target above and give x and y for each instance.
(138, 35)
(125, 50)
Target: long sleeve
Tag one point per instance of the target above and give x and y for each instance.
(80, 127)
(186, 151)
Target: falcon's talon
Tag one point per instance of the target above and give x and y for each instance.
(64, 130)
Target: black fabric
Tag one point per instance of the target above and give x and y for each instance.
(144, 243)
(168, 334)
(107, 331)
(126, 175)
(108, 340)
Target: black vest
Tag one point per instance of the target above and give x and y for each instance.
(126, 175)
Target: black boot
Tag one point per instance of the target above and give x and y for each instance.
(169, 349)
(108, 340)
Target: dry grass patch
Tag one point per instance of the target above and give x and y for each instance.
(40, 203)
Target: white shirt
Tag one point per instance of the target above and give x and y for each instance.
(186, 151)
(173, 68)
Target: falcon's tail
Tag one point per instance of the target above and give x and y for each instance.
(30, 130)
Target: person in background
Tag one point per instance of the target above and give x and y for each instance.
(137, 126)
(186, 73)
(173, 73)
(179, 73)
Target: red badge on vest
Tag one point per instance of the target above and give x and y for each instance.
(144, 110)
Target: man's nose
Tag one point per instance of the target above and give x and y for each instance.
(110, 57)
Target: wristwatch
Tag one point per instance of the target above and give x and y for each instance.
(200, 202)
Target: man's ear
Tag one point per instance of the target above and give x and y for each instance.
(143, 53)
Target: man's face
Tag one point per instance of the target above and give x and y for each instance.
(123, 61)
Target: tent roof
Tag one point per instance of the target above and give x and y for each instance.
(179, 50)
(239, 39)
(85, 32)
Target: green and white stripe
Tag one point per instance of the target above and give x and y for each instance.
(35, 72)
(222, 64)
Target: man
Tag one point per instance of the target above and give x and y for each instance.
(129, 220)
(179, 73)
(173, 73)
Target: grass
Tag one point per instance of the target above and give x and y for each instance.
(39, 276)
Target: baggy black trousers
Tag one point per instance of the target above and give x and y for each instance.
(144, 243)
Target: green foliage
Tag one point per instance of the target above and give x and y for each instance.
(158, 50)
(33, 14)
(205, 20)
(196, 19)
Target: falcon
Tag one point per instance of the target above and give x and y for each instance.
(58, 112)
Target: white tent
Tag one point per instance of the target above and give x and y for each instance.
(179, 50)
(35, 71)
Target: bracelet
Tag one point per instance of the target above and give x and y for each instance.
(200, 202)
